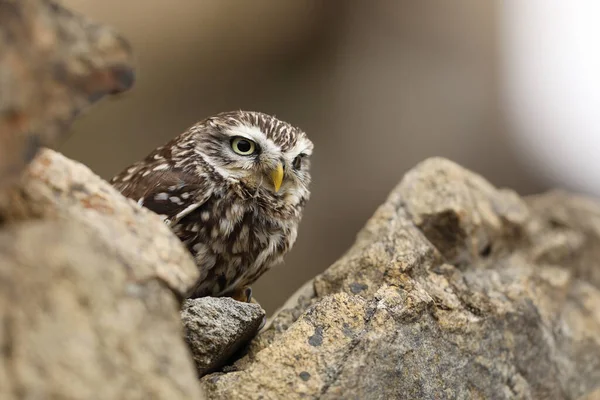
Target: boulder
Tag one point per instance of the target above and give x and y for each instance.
(76, 324)
(454, 289)
(53, 64)
(54, 187)
(90, 291)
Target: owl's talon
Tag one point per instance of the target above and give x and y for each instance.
(248, 293)
(262, 323)
(244, 295)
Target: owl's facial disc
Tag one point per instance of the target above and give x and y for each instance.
(245, 153)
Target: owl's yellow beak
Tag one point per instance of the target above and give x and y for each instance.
(277, 177)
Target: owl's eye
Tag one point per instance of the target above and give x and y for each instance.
(297, 163)
(243, 146)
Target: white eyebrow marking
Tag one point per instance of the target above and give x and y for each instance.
(247, 131)
(302, 146)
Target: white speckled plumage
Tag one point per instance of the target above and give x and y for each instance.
(223, 205)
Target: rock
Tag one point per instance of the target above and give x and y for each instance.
(454, 289)
(215, 328)
(53, 63)
(54, 187)
(567, 233)
(595, 395)
(77, 324)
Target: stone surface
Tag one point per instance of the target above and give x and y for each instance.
(55, 187)
(75, 324)
(53, 63)
(91, 285)
(568, 232)
(215, 328)
(454, 289)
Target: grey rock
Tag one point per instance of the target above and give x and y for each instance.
(454, 289)
(215, 328)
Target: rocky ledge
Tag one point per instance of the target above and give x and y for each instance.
(454, 289)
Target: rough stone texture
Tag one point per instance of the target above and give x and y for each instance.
(76, 325)
(215, 328)
(569, 233)
(90, 285)
(54, 187)
(453, 289)
(595, 395)
(53, 63)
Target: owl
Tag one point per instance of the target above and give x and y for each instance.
(233, 188)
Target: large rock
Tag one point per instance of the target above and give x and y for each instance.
(454, 289)
(53, 63)
(90, 290)
(55, 187)
(77, 325)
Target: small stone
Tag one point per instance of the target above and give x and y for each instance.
(217, 327)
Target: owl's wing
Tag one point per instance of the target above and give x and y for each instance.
(171, 192)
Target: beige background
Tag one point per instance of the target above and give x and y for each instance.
(378, 86)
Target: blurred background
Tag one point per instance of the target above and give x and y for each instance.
(507, 89)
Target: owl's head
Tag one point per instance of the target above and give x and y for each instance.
(259, 151)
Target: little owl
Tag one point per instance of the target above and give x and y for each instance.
(232, 188)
